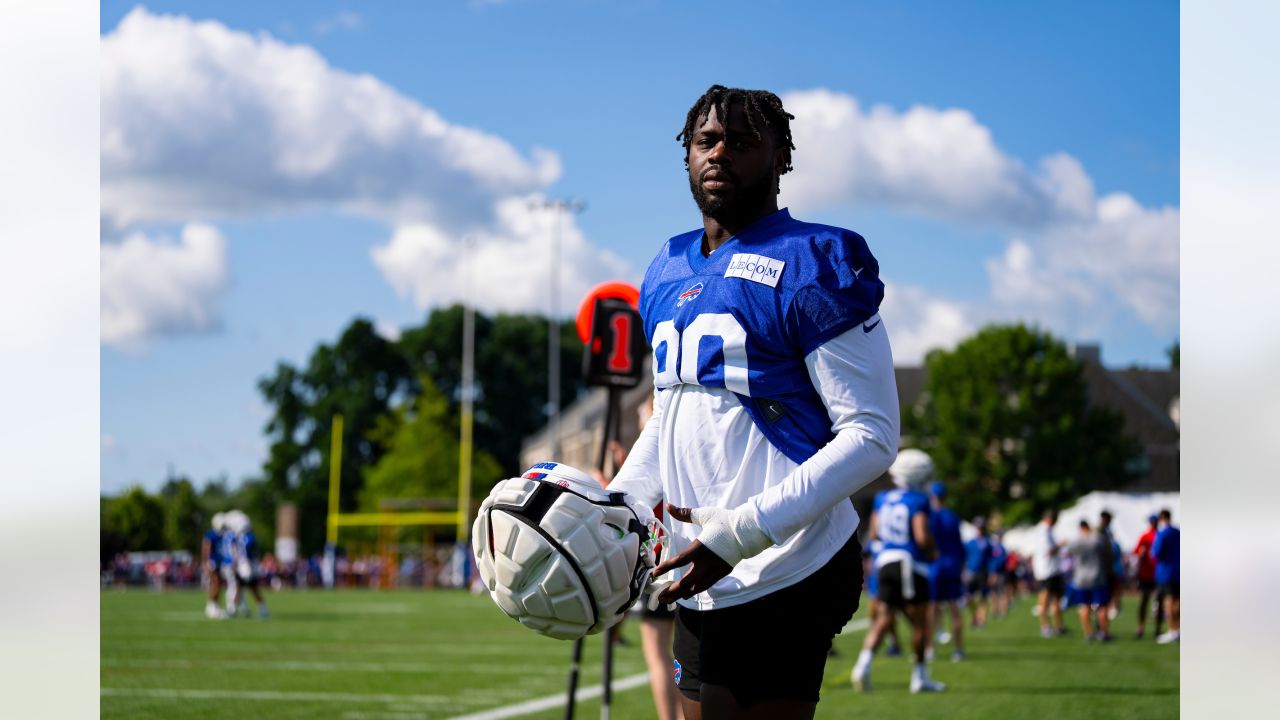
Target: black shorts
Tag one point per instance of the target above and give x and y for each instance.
(773, 647)
(1169, 589)
(1147, 586)
(1053, 584)
(977, 585)
(890, 579)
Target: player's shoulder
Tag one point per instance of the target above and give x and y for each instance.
(794, 239)
(671, 258)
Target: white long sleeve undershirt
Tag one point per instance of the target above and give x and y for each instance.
(701, 449)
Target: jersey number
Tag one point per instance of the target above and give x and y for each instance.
(675, 358)
(894, 526)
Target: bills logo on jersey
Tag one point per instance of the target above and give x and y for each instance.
(761, 269)
(677, 672)
(689, 295)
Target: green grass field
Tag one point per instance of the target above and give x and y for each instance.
(404, 655)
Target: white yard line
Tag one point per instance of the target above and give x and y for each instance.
(174, 694)
(499, 713)
(855, 626)
(557, 700)
(321, 666)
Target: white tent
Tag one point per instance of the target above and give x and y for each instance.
(1129, 513)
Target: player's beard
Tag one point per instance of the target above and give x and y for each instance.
(745, 201)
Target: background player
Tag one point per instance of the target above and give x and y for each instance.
(1146, 572)
(945, 576)
(1090, 589)
(1167, 553)
(977, 566)
(1048, 576)
(244, 556)
(775, 401)
(999, 579)
(212, 561)
(901, 521)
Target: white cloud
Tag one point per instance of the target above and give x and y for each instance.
(156, 286)
(512, 262)
(918, 322)
(937, 162)
(1077, 275)
(1076, 261)
(201, 121)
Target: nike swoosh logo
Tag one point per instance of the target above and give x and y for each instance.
(868, 328)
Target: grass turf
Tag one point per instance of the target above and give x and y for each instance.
(404, 655)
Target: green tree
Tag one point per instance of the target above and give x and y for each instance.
(359, 376)
(137, 517)
(1173, 352)
(421, 459)
(511, 373)
(184, 519)
(375, 383)
(1007, 420)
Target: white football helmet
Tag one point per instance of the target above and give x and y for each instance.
(238, 522)
(219, 522)
(912, 469)
(561, 554)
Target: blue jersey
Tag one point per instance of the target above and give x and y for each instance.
(745, 317)
(894, 510)
(998, 557)
(945, 526)
(247, 545)
(228, 547)
(977, 555)
(1168, 554)
(215, 547)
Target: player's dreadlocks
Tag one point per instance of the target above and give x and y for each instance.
(760, 106)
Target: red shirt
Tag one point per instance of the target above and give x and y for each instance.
(1146, 563)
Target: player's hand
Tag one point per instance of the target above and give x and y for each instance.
(705, 567)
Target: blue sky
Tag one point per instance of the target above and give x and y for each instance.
(217, 265)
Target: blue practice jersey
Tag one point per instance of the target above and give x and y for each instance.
(998, 556)
(1167, 552)
(945, 526)
(228, 547)
(894, 510)
(215, 546)
(745, 317)
(977, 554)
(247, 545)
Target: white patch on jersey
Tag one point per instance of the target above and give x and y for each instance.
(761, 269)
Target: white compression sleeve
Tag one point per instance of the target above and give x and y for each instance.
(853, 373)
(638, 475)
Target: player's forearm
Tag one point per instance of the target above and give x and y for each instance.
(856, 457)
(853, 373)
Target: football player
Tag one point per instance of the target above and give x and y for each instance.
(977, 563)
(945, 575)
(1166, 550)
(212, 561)
(775, 401)
(244, 553)
(900, 519)
(1147, 577)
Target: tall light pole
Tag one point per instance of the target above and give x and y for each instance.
(553, 325)
(468, 391)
